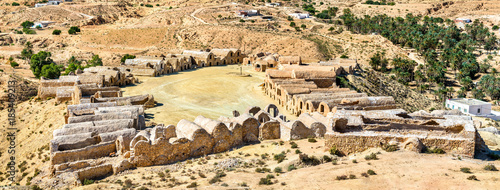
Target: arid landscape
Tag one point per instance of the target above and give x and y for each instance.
(204, 94)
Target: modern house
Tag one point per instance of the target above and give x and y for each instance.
(273, 4)
(248, 13)
(300, 15)
(42, 24)
(40, 5)
(464, 20)
(472, 107)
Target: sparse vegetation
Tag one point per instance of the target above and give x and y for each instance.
(490, 167)
(280, 157)
(435, 151)
(371, 156)
(371, 172)
(309, 160)
(266, 180)
(465, 170)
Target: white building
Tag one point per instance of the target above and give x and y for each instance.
(273, 4)
(54, 2)
(42, 24)
(466, 20)
(300, 15)
(40, 5)
(472, 107)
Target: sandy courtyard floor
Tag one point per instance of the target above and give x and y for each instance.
(210, 91)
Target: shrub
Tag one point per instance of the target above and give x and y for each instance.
(327, 158)
(15, 4)
(312, 140)
(342, 177)
(371, 172)
(371, 156)
(291, 167)
(465, 170)
(127, 56)
(289, 18)
(495, 27)
(389, 148)
(334, 162)
(14, 64)
(344, 56)
(241, 20)
(149, 5)
(56, 32)
(73, 30)
(278, 170)
(192, 185)
(88, 181)
(292, 24)
(472, 177)
(334, 151)
(354, 161)
(490, 167)
(267, 180)
(280, 157)
(352, 176)
(217, 177)
(294, 145)
(435, 151)
(28, 31)
(364, 174)
(161, 174)
(297, 151)
(309, 160)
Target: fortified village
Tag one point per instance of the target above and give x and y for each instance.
(105, 133)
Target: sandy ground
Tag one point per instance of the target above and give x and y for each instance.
(210, 91)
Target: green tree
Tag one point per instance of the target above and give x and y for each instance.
(27, 24)
(95, 61)
(27, 52)
(39, 60)
(478, 94)
(379, 62)
(73, 30)
(466, 82)
(14, 64)
(51, 71)
(462, 93)
(332, 11)
(56, 32)
(127, 56)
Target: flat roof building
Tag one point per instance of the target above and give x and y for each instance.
(472, 107)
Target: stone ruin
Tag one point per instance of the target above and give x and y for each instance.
(452, 132)
(308, 89)
(103, 81)
(102, 139)
(263, 61)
